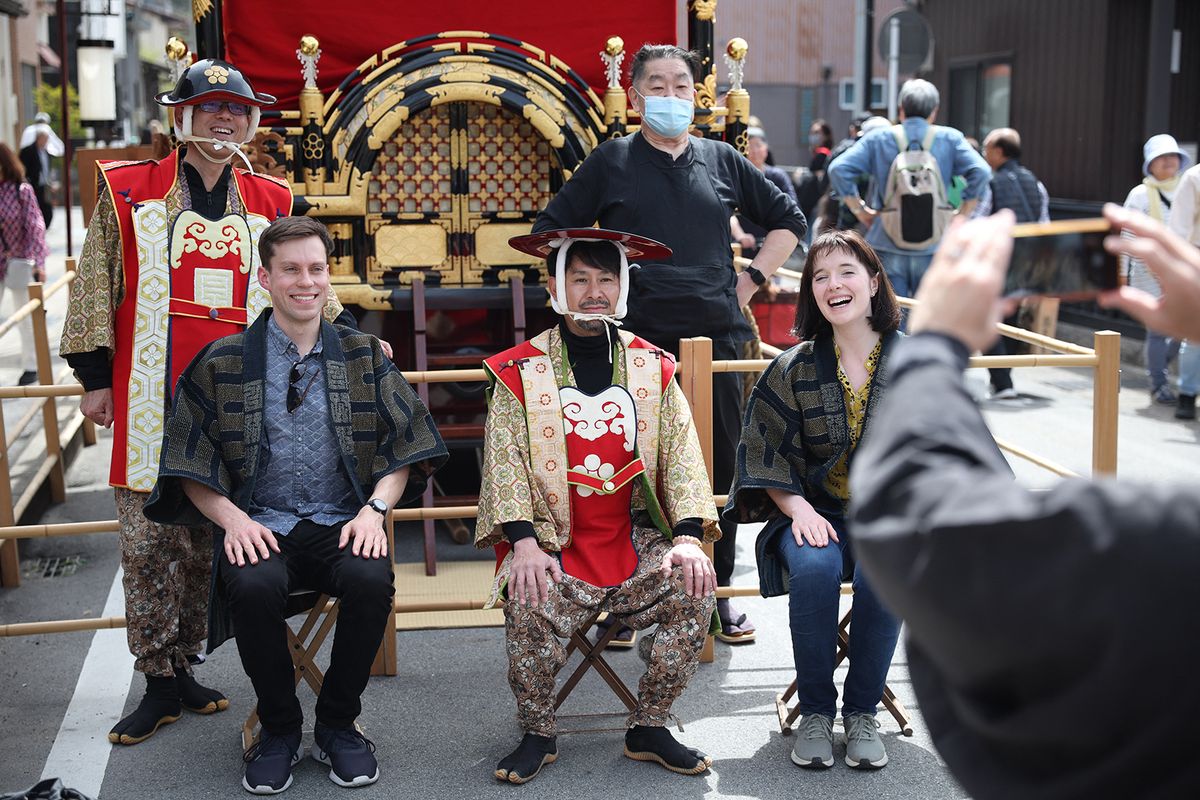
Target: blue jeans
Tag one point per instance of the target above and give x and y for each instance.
(1160, 351)
(904, 271)
(1189, 368)
(814, 583)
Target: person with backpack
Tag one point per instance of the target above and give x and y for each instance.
(907, 211)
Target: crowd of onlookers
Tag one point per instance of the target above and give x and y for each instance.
(845, 184)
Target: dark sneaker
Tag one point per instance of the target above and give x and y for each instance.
(269, 763)
(814, 742)
(349, 755)
(1163, 396)
(28, 377)
(1187, 407)
(864, 748)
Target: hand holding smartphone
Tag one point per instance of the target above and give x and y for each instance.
(1064, 259)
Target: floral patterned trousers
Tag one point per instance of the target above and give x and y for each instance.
(166, 583)
(671, 653)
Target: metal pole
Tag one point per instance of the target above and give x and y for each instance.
(868, 51)
(862, 44)
(64, 84)
(893, 65)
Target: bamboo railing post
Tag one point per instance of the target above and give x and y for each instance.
(695, 356)
(58, 481)
(10, 561)
(385, 662)
(1105, 402)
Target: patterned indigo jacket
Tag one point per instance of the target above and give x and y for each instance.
(795, 431)
(214, 431)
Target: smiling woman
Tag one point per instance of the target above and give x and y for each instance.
(804, 420)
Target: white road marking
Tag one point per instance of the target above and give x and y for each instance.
(81, 749)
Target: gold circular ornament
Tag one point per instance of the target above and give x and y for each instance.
(614, 45)
(176, 49)
(737, 48)
(309, 45)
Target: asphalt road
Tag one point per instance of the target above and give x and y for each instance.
(443, 722)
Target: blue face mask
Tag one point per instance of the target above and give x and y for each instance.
(667, 116)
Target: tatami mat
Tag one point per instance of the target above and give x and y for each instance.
(467, 582)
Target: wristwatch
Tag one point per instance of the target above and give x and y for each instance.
(378, 505)
(756, 275)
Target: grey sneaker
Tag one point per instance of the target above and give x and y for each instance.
(814, 742)
(864, 748)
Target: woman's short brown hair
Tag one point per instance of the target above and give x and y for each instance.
(11, 168)
(885, 311)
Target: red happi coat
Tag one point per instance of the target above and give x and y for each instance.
(188, 281)
(594, 448)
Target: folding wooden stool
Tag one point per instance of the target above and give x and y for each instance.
(593, 659)
(788, 716)
(304, 644)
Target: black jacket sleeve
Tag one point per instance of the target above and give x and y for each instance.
(1025, 610)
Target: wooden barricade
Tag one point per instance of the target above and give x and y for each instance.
(695, 371)
(51, 468)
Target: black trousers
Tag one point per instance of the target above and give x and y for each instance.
(258, 595)
(727, 432)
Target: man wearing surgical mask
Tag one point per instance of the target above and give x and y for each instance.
(681, 190)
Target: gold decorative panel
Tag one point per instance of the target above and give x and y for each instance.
(449, 188)
(411, 245)
(412, 171)
(491, 244)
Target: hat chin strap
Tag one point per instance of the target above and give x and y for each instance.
(183, 132)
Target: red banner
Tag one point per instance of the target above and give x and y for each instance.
(261, 38)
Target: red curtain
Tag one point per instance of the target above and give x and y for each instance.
(261, 38)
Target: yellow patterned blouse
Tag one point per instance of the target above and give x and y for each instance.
(838, 480)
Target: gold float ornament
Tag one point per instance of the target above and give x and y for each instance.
(176, 49)
(705, 10)
(613, 55)
(309, 45)
(735, 61)
(200, 9)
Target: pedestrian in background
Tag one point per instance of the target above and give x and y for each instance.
(23, 247)
(38, 145)
(1013, 187)
(1162, 160)
(1185, 221)
(876, 155)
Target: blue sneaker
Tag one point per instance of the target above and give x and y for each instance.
(269, 763)
(349, 755)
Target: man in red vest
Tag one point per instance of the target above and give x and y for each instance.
(596, 498)
(168, 266)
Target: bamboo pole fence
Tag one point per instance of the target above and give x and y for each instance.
(695, 370)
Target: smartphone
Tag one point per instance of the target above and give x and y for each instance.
(1064, 259)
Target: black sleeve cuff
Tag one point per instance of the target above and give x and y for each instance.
(92, 368)
(929, 348)
(517, 530)
(689, 527)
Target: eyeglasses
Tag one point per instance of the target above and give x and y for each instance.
(214, 106)
(295, 395)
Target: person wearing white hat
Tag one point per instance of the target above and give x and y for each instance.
(1185, 221)
(596, 498)
(38, 145)
(1162, 161)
